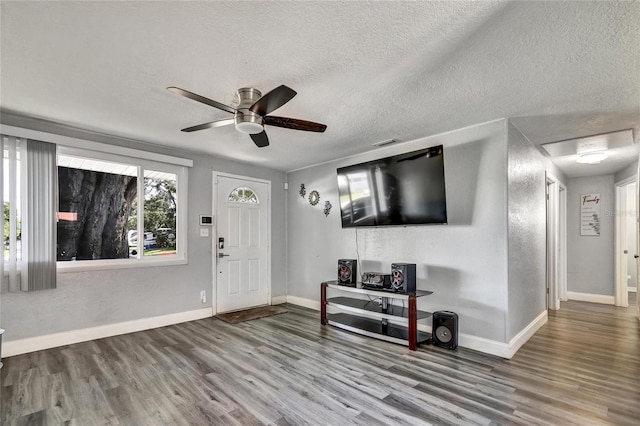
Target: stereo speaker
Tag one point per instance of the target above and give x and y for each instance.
(444, 332)
(347, 272)
(403, 277)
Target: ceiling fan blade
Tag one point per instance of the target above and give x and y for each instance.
(260, 139)
(201, 99)
(218, 123)
(294, 123)
(273, 100)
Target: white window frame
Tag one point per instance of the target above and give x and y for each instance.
(142, 159)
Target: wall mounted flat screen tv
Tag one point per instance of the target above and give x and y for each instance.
(405, 189)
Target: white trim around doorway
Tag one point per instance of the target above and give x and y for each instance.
(621, 283)
(556, 242)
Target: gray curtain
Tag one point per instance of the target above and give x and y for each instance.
(39, 200)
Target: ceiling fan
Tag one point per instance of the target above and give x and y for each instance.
(250, 115)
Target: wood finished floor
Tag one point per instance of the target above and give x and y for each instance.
(581, 368)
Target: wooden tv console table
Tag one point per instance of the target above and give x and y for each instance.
(371, 319)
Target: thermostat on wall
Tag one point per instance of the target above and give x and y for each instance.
(206, 220)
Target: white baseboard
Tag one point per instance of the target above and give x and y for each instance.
(501, 349)
(487, 346)
(480, 344)
(593, 298)
(278, 300)
(526, 333)
(32, 344)
(305, 303)
(632, 289)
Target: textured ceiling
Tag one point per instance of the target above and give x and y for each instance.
(371, 71)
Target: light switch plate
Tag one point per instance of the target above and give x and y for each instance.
(204, 232)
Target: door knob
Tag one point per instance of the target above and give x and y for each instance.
(222, 255)
(635, 256)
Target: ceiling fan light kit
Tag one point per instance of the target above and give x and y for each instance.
(249, 125)
(250, 115)
(247, 121)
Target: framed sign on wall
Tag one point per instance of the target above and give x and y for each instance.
(590, 214)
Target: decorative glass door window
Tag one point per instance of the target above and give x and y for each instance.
(243, 195)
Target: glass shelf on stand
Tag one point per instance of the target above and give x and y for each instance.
(384, 320)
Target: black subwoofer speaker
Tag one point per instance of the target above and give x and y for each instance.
(347, 272)
(444, 332)
(403, 277)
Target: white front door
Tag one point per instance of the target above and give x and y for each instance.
(242, 243)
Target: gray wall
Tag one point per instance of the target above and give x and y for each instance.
(464, 262)
(89, 299)
(553, 170)
(590, 259)
(630, 171)
(526, 230)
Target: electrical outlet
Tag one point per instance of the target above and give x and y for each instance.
(203, 296)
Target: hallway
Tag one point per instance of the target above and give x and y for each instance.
(587, 358)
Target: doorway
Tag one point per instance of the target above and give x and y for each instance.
(626, 240)
(242, 256)
(556, 287)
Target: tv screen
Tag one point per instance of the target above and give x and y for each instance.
(405, 189)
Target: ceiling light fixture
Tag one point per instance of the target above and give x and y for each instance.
(592, 157)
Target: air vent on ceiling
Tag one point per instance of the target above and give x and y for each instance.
(385, 143)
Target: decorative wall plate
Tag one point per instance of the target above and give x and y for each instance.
(314, 197)
(327, 208)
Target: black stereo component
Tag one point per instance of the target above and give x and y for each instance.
(348, 272)
(376, 280)
(403, 277)
(444, 331)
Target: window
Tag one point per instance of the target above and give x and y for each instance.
(107, 202)
(243, 195)
(12, 214)
(94, 205)
(160, 206)
(12, 232)
(29, 202)
(103, 197)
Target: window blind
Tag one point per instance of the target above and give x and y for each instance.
(39, 227)
(28, 182)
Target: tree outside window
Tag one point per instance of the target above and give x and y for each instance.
(98, 210)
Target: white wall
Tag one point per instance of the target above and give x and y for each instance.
(591, 259)
(464, 263)
(527, 232)
(91, 299)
